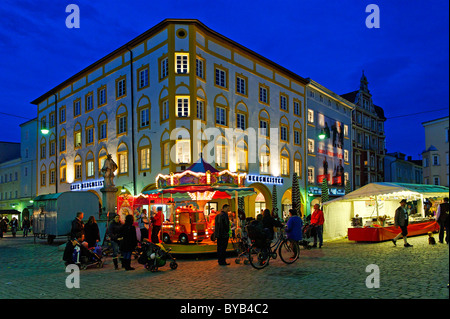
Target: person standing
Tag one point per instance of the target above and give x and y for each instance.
(443, 220)
(128, 241)
(294, 226)
(317, 220)
(25, 226)
(401, 220)
(156, 225)
(91, 232)
(222, 234)
(77, 226)
(14, 224)
(2, 226)
(114, 235)
(143, 224)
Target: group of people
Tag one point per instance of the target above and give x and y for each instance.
(123, 236)
(14, 225)
(294, 227)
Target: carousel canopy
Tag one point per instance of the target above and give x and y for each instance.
(219, 191)
(394, 189)
(202, 167)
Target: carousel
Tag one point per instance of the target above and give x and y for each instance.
(183, 198)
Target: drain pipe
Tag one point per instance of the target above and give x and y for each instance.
(133, 156)
(56, 143)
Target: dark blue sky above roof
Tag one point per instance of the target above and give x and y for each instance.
(406, 60)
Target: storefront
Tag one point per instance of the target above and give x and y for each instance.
(367, 214)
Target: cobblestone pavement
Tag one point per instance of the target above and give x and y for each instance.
(337, 271)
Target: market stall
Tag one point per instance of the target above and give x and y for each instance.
(367, 214)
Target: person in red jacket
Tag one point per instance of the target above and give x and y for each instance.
(156, 223)
(317, 220)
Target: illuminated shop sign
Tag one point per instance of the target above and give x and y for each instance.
(265, 179)
(83, 186)
(331, 191)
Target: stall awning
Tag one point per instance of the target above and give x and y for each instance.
(394, 189)
(9, 212)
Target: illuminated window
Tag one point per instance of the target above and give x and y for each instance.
(182, 63)
(145, 158)
(284, 161)
(264, 158)
(166, 154)
(311, 175)
(183, 151)
(310, 145)
(310, 116)
(62, 171)
(77, 139)
(77, 168)
(123, 163)
(241, 150)
(90, 168)
(182, 106)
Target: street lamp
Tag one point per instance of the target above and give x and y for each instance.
(322, 134)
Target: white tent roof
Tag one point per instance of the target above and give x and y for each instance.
(392, 190)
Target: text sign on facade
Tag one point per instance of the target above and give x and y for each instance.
(265, 179)
(87, 185)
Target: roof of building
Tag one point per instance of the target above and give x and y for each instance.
(352, 97)
(155, 30)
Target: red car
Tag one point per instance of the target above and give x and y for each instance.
(186, 225)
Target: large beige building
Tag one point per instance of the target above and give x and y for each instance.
(160, 100)
(435, 156)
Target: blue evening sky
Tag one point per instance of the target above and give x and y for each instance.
(406, 60)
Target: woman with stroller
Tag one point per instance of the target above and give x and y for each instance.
(128, 241)
(91, 232)
(269, 223)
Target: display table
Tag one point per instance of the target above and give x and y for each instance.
(387, 233)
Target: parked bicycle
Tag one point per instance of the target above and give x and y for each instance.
(261, 253)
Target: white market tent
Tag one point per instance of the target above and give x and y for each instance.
(373, 200)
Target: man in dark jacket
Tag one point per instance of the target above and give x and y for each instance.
(401, 220)
(77, 226)
(114, 234)
(222, 233)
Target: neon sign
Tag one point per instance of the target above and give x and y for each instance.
(87, 185)
(273, 180)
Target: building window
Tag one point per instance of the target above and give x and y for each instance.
(62, 144)
(166, 154)
(89, 135)
(77, 139)
(221, 114)
(144, 117)
(435, 160)
(241, 85)
(436, 180)
(200, 68)
(241, 156)
(164, 68)
(145, 159)
(310, 146)
(51, 119)
(43, 150)
(122, 124)
(221, 78)
(284, 133)
(121, 89)
(143, 77)
(89, 101)
(52, 145)
(123, 162)
(345, 156)
(263, 128)
(310, 116)
(263, 94)
(297, 138)
(90, 168)
(284, 166)
(182, 63)
(200, 109)
(283, 103)
(164, 110)
(183, 151)
(310, 175)
(62, 115)
(101, 95)
(221, 153)
(298, 167)
(264, 160)
(297, 110)
(240, 119)
(103, 129)
(182, 106)
(43, 181)
(77, 108)
(78, 171)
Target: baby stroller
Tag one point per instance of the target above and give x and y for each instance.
(78, 254)
(154, 256)
(308, 235)
(258, 235)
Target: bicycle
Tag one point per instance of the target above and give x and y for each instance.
(260, 255)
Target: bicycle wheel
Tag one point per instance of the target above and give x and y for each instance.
(289, 251)
(258, 257)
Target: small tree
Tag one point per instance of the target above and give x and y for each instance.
(296, 203)
(274, 201)
(325, 196)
